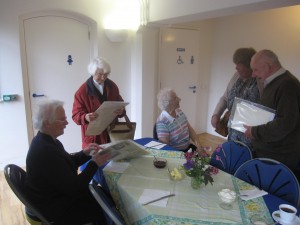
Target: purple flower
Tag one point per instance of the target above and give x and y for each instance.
(218, 158)
(218, 148)
(188, 165)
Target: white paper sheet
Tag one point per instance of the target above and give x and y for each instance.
(251, 194)
(105, 116)
(117, 167)
(155, 144)
(249, 114)
(151, 194)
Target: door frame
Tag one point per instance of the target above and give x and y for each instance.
(57, 13)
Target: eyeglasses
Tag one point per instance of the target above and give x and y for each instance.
(102, 74)
(62, 121)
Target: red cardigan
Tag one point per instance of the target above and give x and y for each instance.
(87, 99)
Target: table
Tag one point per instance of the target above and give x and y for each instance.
(188, 206)
(146, 140)
(99, 177)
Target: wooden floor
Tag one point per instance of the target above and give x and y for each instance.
(12, 210)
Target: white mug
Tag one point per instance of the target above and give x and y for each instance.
(287, 213)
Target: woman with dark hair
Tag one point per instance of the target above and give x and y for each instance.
(241, 85)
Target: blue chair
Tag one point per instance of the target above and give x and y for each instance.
(107, 204)
(271, 176)
(230, 156)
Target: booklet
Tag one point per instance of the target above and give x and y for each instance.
(249, 113)
(105, 116)
(126, 149)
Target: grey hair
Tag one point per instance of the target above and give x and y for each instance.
(98, 63)
(164, 97)
(46, 112)
(271, 56)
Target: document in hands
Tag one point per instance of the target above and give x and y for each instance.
(249, 113)
(126, 149)
(106, 114)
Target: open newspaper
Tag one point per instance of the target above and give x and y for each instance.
(125, 149)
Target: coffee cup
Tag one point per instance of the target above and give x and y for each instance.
(287, 213)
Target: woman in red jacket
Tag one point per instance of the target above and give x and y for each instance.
(91, 94)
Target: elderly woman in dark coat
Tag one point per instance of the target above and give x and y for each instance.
(52, 182)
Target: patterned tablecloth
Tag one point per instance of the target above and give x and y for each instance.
(188, 206)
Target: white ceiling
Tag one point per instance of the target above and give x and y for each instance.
(189, 13)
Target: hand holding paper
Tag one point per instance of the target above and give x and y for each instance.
(106, 114)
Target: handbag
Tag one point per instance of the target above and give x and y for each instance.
(221, 127)
(121, 130)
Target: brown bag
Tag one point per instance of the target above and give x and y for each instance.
(121, 130)
(221, 127)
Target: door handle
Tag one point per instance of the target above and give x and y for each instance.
(193, 88)
(36, 95)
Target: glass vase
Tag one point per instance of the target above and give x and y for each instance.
(196, 182)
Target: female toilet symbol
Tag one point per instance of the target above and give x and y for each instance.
(70, 60)
(179, 60)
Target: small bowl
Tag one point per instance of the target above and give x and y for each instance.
(227, 198)
(159, 163)
(176, 174)
(258, 219)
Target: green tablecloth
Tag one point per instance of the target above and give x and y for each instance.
(189, 206)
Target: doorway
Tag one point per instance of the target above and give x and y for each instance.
(56, 48)
(179, 67)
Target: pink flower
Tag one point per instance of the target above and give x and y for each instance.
(213, 170)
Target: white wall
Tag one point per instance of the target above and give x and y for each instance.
(278, 30)
(13, 133)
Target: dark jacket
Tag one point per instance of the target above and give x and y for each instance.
(280, 138)
(52, 180)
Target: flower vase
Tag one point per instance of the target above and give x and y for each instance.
(196, 183)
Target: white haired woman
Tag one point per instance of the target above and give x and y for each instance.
(52, 182)
(91, 94)
(172, 125)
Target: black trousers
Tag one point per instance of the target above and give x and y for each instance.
(85, 210)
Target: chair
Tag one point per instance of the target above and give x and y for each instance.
(271, 176)
(155, 132)
(230, 156)
(107, 204)
(15, 177)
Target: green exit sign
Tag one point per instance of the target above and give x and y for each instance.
(8, 98)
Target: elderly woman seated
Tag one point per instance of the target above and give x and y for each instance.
(172, 125)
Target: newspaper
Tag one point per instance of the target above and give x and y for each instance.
(125, 149)
(249, 113)
(105, 116)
